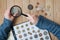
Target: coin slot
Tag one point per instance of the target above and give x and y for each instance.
(25, 35)
(23, 30)
(31, 37)
(45, 33)
(19, 32)
(46, 37)
(33, 31)
(40, 34)
(22, 26)
(17, 27)
(26, 24)
(35, 36)
(31, 23)
(28, 29)
(30, 33)
(38, 31)
(26, 39)
(20, 36)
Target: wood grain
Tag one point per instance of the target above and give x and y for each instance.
(51, 10)
(2, 10)
(57, 11)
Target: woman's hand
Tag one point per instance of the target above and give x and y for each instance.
(8, 15)
(32, 18)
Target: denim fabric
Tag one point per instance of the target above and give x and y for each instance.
(5, 29)
(44, 23)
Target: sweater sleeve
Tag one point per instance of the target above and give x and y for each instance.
(5, 29)
(49, 25)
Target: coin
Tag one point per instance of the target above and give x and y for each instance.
(30, 6)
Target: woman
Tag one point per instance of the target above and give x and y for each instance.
(40, 22)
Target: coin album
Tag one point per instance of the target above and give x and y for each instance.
(28, 31)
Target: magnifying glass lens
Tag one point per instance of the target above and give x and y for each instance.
(16, 10)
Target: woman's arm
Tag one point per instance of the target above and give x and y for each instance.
(7, 25)
(51, 26)
(5, 29)
(44, 23)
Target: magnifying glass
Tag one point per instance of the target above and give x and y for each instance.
(17, 10)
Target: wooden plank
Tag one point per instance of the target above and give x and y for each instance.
(25, 9)
(57, 11)
(49, 9)
(19, 3)
(40, 4)
(2, 10)
(33, 3)
(42, 7)
(53, 37)
(10, 3)
(50, 14)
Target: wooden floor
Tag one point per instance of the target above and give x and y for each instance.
(51, 10)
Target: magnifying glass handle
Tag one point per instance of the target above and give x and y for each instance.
(24, 15)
